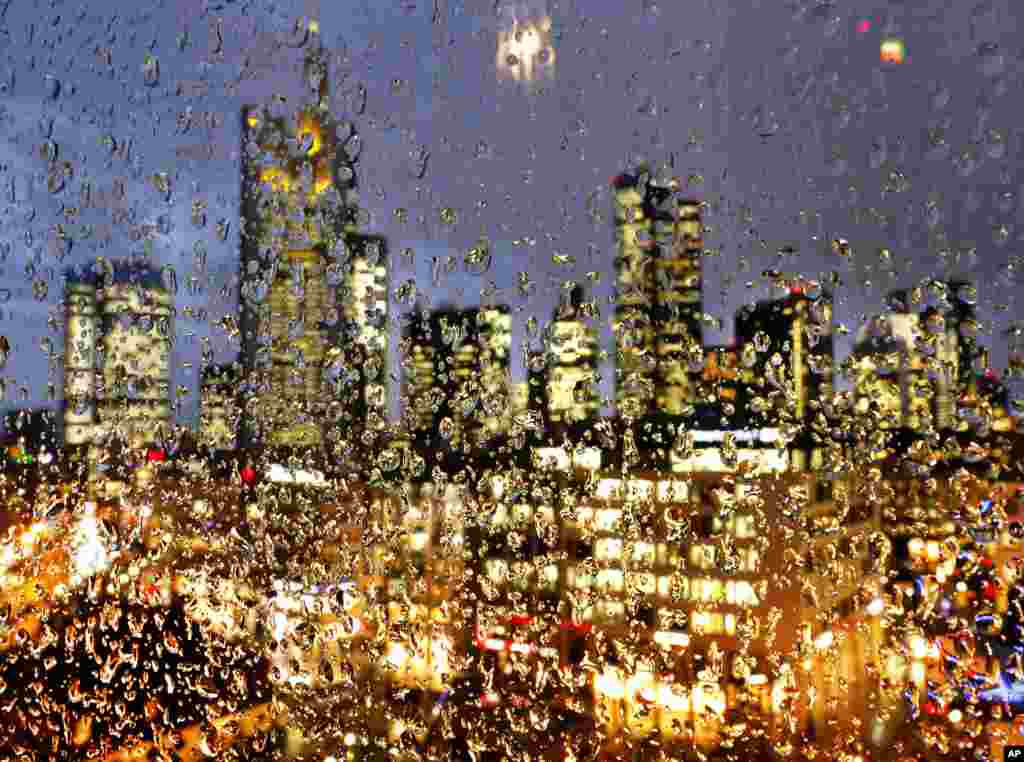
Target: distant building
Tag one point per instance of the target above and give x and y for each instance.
(457, 382)
(785, 366)
(659, 310)
(313, 290)
(914, 362)
(219, 408)
(118, 346)
(138, 337)
(571, 366)
(81, 345)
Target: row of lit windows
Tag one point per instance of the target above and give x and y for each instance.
(712, 623)
(706, 557)
(523, 576)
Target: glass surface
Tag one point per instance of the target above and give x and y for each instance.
(528, 379)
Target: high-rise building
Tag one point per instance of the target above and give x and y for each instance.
(457, 382)
(219, 410)
(365, 296)
(786, 361)
(138, 337)
(82, 326)
(919, 358)
(786, 354)
(571, 365)
(117, 357)
(678, 311)
(890, 377)
(300, 246)
(658, 315)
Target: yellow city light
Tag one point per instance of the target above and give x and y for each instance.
(278, 178)
(310, 127)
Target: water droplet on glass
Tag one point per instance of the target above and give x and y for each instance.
(992, 59)
(199, 255)
(150, 71)
(51, 86)
(55, 180)
(169, 278)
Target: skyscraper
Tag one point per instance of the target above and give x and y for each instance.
(219, 411)
(365, 299)
(678, 311)
(917, 360)
(658, 315)
(118, 344)
(82, 327)
(138, 336)
(300, 246)
(457, 385)
(786, 360)
(571, 365)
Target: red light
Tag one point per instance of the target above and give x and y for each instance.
(156, 456)
(518, 620)
(248, 475)
(864, 26)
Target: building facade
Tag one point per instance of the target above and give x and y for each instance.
(312, 288)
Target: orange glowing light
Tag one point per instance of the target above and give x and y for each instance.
(893, 51)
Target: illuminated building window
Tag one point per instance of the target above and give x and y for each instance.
(712, 623)
(609, 611)
(644, 554)
(609, 581)
(702, 557)
(644, 582)
(608, 549)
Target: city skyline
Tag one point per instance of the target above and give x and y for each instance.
(396, 157)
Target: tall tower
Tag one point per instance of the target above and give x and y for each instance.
(635, 361)
(658, 314)
(678, 313)
(457, 375)
(923, 351)
(80, 362)
(571, 366)
(138, 336)
(365, 299)
(299, 207)
(787, 361)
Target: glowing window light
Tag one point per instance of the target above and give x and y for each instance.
(397, 656)
(609, 684)
(670, 639)
(90, 556)
(824, 641)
